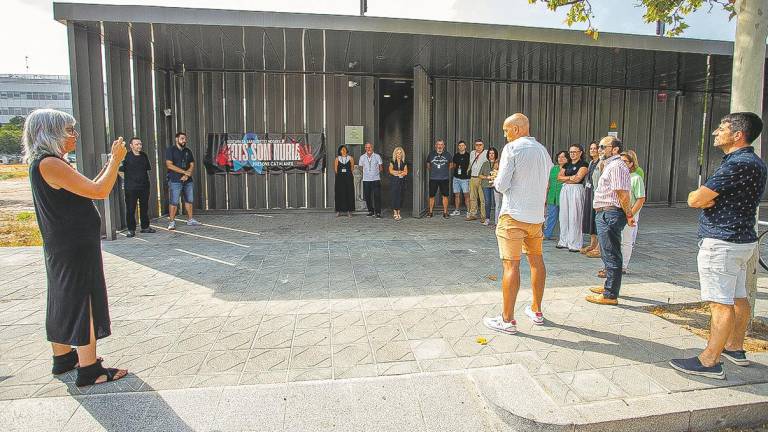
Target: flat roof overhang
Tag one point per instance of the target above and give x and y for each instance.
(211, 39)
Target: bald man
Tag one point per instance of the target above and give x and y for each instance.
(522, 179)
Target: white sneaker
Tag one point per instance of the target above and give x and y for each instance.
(497, 323)
(456, 212)
(193, 222)
(172, 225)
(536, 317)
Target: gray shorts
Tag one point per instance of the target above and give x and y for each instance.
(723, 270)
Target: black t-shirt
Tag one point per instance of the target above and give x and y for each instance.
(572, 168)
(135, 169)
(181, 159)
(462, 164)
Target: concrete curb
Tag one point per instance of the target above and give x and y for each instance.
(522, 405)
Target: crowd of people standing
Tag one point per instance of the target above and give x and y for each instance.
(523, 175)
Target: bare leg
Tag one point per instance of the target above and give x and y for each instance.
(721, 327)
(457, 200)
(466, 201)
(510, 285)
(86, 355)
(445, 204)
(538, 280)
(431, 204)
(172, 212)
(743, 313)
(60, 349)
(188, 209)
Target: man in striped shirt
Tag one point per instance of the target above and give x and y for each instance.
(612, 213)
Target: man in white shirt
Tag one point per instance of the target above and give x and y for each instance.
(372, 167)
(522, 178)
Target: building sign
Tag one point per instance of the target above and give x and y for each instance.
(353, 135)
(261, 153)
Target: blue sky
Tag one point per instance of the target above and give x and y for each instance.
(28, 29)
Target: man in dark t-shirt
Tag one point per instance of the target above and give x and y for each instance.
(461, 176)
(136, 183)
(438, 166)
(181, 165)
(727, 241)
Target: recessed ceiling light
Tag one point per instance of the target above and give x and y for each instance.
(400, 82)
(386, 96)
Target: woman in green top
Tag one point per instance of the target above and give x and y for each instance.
(553, 195)
(487, 171)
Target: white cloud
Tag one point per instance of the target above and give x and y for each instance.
(28, 29)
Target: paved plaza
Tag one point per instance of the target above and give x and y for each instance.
(267, 322)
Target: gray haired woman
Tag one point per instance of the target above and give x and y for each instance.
(77, 311)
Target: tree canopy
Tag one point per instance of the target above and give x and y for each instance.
(670, 12)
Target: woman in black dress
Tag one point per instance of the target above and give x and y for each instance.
(77, 311)
(588, 219)
(345, 182)
(398, 169)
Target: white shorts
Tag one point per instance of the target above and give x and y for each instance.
(723, 270)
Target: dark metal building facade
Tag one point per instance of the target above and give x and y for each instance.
(152, 71)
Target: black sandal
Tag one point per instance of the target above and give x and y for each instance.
(88, 375)
(66, 362)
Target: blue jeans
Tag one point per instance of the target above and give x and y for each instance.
(175, 190)
(610, 223)
(488, 193)
(553, 213)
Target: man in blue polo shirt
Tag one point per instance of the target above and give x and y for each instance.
(729, 199)
(181, 165)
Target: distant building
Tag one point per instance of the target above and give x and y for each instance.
(20, 94)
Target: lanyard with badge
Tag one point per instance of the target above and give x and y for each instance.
(369, 161)
(344, 169)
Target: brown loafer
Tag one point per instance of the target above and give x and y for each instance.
(601, 300)
(594, 253)
(585, 249)
(597, 290)
(471, 218)
(601, 274)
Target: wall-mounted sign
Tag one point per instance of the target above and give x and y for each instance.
(353, 135)
(613, 125)
(613, 134)
(261, 153)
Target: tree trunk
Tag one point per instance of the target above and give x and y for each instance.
(747, 84)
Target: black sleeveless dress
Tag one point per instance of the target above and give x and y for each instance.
(344, 188)
(398, 185)
(71, 229)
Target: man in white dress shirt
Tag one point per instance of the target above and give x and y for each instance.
(522, 179)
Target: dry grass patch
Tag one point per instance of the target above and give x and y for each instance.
(14, 171)
(19, 229)
(695, 317)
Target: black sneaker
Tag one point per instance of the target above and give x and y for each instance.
(147, 231)
(370, 214)
(131, 234)
(737, 357)
(445, 215)
(693, 366)
(429, 214)
(378, 216)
